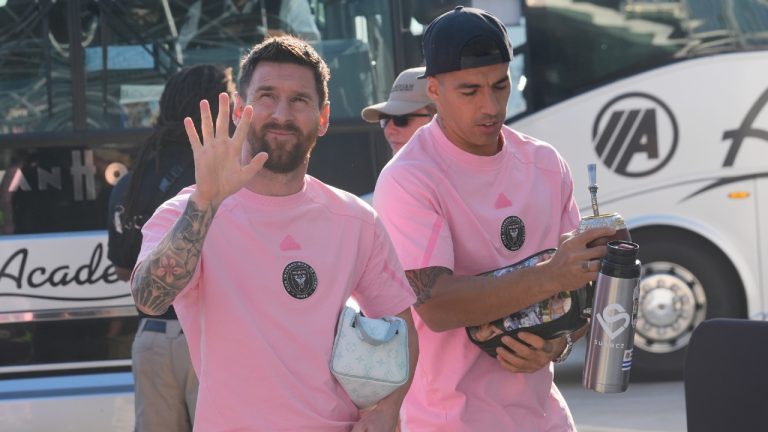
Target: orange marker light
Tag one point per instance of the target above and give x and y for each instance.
(738, 195)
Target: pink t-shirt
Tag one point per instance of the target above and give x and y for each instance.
(445, 207)
(261, 310)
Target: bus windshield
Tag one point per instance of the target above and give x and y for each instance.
(566, 47)
(130, 47)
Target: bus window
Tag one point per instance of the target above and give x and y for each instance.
(416, 15)
(143, 41)
(131, 47)
(35, 91)
(578, 45)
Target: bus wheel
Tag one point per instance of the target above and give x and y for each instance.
(685, 279)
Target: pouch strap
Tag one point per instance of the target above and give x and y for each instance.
(391, 331)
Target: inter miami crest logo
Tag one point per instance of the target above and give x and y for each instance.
(299, 280)
(512, 233)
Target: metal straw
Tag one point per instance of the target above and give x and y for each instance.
(592, 170)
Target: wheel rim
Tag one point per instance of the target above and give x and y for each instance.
(671, 304)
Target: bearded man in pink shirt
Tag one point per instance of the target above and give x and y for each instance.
(258, 258)
(468, 195)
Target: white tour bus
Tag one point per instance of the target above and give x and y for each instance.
(667, 97)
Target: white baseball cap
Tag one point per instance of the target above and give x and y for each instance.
(408, 94)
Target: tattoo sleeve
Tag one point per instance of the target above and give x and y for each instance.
(169, 268)
(423, 281)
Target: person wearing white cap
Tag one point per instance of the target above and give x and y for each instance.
(407, 109)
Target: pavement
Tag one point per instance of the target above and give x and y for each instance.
(644, 407)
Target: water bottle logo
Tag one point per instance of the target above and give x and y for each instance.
(611, 314)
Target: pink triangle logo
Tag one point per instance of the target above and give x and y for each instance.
(502, 201)
(289, 243)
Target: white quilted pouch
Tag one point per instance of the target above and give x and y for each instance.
(370, 356)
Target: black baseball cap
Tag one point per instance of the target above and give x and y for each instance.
(451, 41)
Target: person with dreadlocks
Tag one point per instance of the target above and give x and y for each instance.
(164, 380)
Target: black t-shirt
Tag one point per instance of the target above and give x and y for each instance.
(163, 178)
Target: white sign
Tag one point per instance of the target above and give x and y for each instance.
(58, 271)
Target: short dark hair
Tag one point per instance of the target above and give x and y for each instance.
(286, 49)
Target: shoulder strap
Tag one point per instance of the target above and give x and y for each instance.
(169, 180)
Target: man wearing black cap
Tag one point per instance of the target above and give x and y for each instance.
(465, 196)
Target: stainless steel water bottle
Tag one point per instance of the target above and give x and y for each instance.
(614, 314)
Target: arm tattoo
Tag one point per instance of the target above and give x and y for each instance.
(169, 268)
(423, 280)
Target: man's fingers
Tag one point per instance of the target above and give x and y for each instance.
(222, 119)
(528, 354)
(241, 132)
(514, 363)
(255, 165)
(206, 124)
(509, 359)
(593, 234)
(535, 342)
(194, 139)
(518, 348)
(595, 253)
(591, 265)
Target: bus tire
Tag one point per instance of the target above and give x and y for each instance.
(685, 279)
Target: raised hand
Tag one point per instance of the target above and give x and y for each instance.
(219, 171)
(528, 354)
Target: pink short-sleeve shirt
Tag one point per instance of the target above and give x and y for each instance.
(261, 310)
(446, 207)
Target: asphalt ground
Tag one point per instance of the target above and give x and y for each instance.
(644, 407)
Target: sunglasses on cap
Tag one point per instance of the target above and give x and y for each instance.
(399, 121)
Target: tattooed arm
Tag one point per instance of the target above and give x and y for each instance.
(445, 301)
(162, 275)
(423, 281)
(221, 169)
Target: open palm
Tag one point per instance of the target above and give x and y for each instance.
(219, 171)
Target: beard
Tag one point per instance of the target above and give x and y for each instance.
(286, 154)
